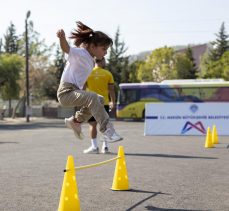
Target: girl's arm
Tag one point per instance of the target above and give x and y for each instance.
(111, 89)
(63, 42)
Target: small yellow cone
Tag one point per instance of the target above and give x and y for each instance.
(215, 139)
(208, 141)
(69, 199)
(120, 180)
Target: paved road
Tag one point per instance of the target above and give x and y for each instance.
(165, 172)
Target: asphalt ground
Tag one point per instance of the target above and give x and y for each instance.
(165, 172)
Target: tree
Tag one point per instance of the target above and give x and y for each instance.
(225, 65)
(54, 75)
(125, 71)
(3, 72)
(212, 63)
(210, 68)
(144, 72)
(0, 46)
(184, 67)
(220, 45)
(11, 40)
(59, 63)
(159, 65)
(37, 46)
(39, 62)
(133, 71)
(193, 69)
(117, 62)
(11, 65)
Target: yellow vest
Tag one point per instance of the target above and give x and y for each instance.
(98, 82)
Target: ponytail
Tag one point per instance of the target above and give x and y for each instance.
(85, 35)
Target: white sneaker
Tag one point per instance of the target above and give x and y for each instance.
(110, 135)
(75, 126)
(91, 150)
(105, 150)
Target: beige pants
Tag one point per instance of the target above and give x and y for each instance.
(91, 104)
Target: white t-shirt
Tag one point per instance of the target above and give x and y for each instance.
(78, 67)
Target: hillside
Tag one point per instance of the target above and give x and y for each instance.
(142, 55)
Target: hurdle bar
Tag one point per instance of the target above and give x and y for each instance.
(95, 164)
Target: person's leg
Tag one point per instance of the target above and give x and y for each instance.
(93, 130)
(105, 148)
(93, 135)
(65, 94)
(69, 95)
(96, 108)
(90, 103)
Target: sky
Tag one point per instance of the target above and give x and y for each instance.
(144, 24)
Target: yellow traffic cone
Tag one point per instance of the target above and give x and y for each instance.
(120, 180)
(215, 139)
(69, 199)
(208, 141)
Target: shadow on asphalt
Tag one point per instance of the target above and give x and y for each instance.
(8, 142)
(152, 207)
(143, 200)
(167, 156)
(31, 126)
(166, 209)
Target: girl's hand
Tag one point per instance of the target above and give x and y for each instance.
(111, 106)
(60, 33)
(63, 42)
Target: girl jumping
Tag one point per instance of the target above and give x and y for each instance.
(89, 44)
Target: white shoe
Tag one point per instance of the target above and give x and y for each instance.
(105, 150)
(75, 126)
(91, 150)
(110, 135)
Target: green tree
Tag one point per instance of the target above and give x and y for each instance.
(11, 40)
(37, 46)
(210, 68)
(54, 75)
(184, 67)
(117, 61)
(159, 65)
(216, 69)
(0, 45)
(39, 61)
(193, 69)
(59, 63)
(225, 65)
(10, 67)
(220, 45)
(212, 63)
(144, 72)
(3, 72)
(125, 70)
(50, 84)
(133, 71)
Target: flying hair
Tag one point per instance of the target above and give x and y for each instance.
(86, 35)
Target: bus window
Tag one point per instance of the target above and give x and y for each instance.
(215, 94)
(168, 95)
(128, 96)
(222, 94)
(149, 94)
(209, 93)
(190, 94)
